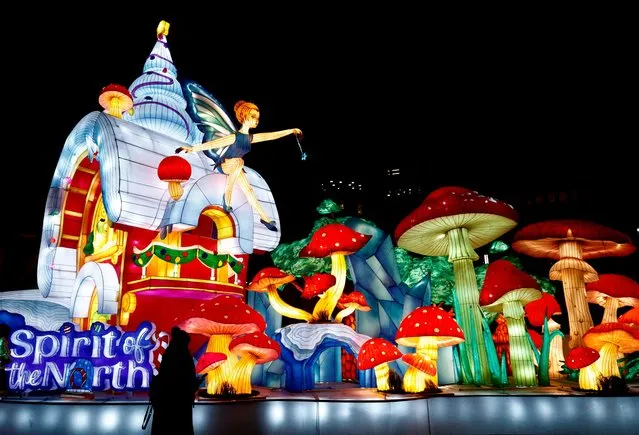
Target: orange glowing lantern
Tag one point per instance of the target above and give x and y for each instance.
(115, 99)
(175, 170)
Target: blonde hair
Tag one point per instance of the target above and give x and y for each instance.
(242, 109)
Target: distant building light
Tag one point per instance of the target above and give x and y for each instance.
(340, 181)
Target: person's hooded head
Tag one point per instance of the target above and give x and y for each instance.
(179, 337)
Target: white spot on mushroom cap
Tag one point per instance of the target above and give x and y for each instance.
(416, 325)
(436, 329)
(372, 359)
(354, 239)
(336, 244)
(383, 353)
(226, 316)
(323, 234)
(439, 317)
(247, 312)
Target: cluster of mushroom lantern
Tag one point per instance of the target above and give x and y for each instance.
(454, 221)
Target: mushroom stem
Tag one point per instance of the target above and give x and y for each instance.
(521, 356)
(414, 380)
(381, 375)
(589, 378)
(285, 309)
(607, 362)
(427, 346)
(579, 317)
(462, 255)
(610, 310)
(241, 378)
(345, 312)
(328, 303)
(115, 108)
(175, 190)
(556, 352)
(214, 379)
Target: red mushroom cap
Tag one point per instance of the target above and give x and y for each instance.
(620, 287)
(376, 351)
(261, 346)
(334, 239)
(317, 284)
(625, 337)
(421, 363)
(630, 317)
(113, 87)
(537, 339)
(429, 322)
(502, 277)
(269, 276)
(209, 361)
(119, 92)
(174, 168)
(543, 239)
(225, 315)
(354, 299)
(581, 357)
(424, 230)
(546, 306)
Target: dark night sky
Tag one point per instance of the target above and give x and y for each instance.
(505, 109)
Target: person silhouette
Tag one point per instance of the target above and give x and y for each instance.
(172, 391)
(237, 145)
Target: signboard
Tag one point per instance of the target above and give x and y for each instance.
(50, 360)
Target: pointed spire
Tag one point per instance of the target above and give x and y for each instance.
(157, 95)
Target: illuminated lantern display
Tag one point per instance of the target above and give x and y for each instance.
(610, 339)
(630, 318)
(349, 303)
(507, 290)
(269, 279)
(337, 241)
(613, 291)
(419, 374)
(584, 359)
(536, 337)
(227, 317)
(454, 221)
(502, 345)
(252, 349)
(538, 310)
(175, 170)
(115, 99)
(571, 242)
(427, 329)
(377, 353)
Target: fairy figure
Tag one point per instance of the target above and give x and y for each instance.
(226, 145)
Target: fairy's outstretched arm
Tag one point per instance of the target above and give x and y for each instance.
(212, 144)
(262, 137)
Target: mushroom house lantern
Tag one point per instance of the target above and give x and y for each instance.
(507, 290)
(377, 353)
(613, 291)
(175, 170)
(115, 100)
(337, 241)
(427, 329)
(572, 242)
(454, 221)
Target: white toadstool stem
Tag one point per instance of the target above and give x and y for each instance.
(285, 309)
(556, 352)
(610, 310)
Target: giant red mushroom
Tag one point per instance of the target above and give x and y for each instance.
(536, 311)
(613, 291)
(377, 353)
(175, 170)
(269, 279)
(584, 359)
(337, 241)
(454, 221)
(507, 290)
(252, 349)
(226, 317)
(571, 242)
(427, 329)
(349, 303)
(115, 100)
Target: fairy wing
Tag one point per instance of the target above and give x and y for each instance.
(209, 115)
